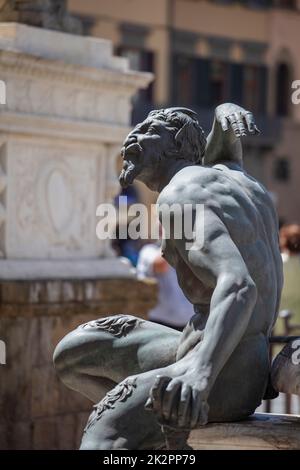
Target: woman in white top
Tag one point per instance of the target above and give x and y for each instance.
(172, 309)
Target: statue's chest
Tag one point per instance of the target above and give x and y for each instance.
(195, 290)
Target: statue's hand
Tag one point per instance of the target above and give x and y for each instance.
(179, 402)
(232, 116)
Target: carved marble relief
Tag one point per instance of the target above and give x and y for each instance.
(41, 178)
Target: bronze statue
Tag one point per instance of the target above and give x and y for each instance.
(218, 368)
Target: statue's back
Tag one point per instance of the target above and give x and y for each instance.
(251, 219)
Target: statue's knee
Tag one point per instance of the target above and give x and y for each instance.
(66, 353)
(90, 345)
(114, 325)
(72, 349)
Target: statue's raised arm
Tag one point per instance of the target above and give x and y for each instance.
(231, 122)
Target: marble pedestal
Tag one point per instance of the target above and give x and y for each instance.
(67, 111)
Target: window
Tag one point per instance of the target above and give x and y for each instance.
(283, 84)
(251, 87)
(219, 81)
(199, 82)
(290, 4)
(255, 89)
(282, 169)
(258, 3)
(182, 80)
(206, 83)
(248, 86)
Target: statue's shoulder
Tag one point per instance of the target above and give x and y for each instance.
(188, 186)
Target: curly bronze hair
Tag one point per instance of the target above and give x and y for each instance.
(190, 138)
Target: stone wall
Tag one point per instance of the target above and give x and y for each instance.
(36, 410)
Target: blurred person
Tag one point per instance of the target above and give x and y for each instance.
(284, 379)
(289, 237)
(126, 247)
(173, 309)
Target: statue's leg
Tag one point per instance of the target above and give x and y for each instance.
(96, 356)
(120, 420)
(241, 385)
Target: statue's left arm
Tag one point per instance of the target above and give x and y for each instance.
(231, 122)
(218, 264)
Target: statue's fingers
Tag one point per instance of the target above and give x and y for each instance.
(250, 122)
(224, 124)
(256, 130)
(149, 405)
(233, 123)
(159, 388)
(240, 124)
(170, 399)
(156, 394)
(203, 416)
(196, 408)
(185, 405)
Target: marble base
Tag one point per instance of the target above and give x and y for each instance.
(107, 268)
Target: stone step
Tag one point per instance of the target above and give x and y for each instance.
(262, 431)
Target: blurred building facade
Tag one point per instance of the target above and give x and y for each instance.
(204, 53)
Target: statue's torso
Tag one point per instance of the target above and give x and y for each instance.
(246, 210)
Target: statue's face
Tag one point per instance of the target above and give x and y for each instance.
(143, 149)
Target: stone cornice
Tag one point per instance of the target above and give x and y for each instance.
(31, 66)
(97, 297)
(66, 129)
